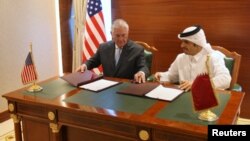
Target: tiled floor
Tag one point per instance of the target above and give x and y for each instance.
(7, 132)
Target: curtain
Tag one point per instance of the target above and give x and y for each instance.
(80, 11)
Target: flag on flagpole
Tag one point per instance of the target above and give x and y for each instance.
(203, 93)
(28, 73)
(94, 31)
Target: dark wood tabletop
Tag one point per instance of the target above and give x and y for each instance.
(57, 119)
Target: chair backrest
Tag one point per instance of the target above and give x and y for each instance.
(149, 52)
(232, 62)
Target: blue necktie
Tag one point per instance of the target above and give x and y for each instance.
(117, 54)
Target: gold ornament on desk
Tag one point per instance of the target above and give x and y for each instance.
(29, 74)
(204, 98)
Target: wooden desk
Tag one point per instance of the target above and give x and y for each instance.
(44, 119)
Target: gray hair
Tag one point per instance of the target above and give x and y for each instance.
(118, 23)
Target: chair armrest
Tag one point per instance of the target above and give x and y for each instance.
(237, 88)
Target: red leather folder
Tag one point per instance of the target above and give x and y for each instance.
(138, 89)
(80, 78)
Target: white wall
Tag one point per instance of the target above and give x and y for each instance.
(22, 22)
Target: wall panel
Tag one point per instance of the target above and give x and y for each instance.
(226, 23)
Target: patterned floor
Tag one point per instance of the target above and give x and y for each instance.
(7, 132)
(8, 137)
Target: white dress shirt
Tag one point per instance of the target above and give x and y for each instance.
(187, 67)
(118, 52)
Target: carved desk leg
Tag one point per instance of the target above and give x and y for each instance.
(55, 128)
(55, 131)
(16, 120)
(17, 127)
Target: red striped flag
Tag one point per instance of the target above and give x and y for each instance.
(94, 32)
(28, 73)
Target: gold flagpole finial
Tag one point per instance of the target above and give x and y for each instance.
(30, 46)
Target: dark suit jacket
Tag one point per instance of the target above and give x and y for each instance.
(131, 60)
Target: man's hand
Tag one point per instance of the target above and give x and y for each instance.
(186, 85)
(82, 68)
(140, 77)
(157, 76)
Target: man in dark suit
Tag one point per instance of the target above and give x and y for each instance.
(120, 57)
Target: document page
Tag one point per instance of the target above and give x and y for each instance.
(164, 93)
(99, 85)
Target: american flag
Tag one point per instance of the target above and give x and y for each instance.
(28, 73)
(94, 32)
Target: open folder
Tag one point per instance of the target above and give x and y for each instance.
(80, 78)
(152, 90)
